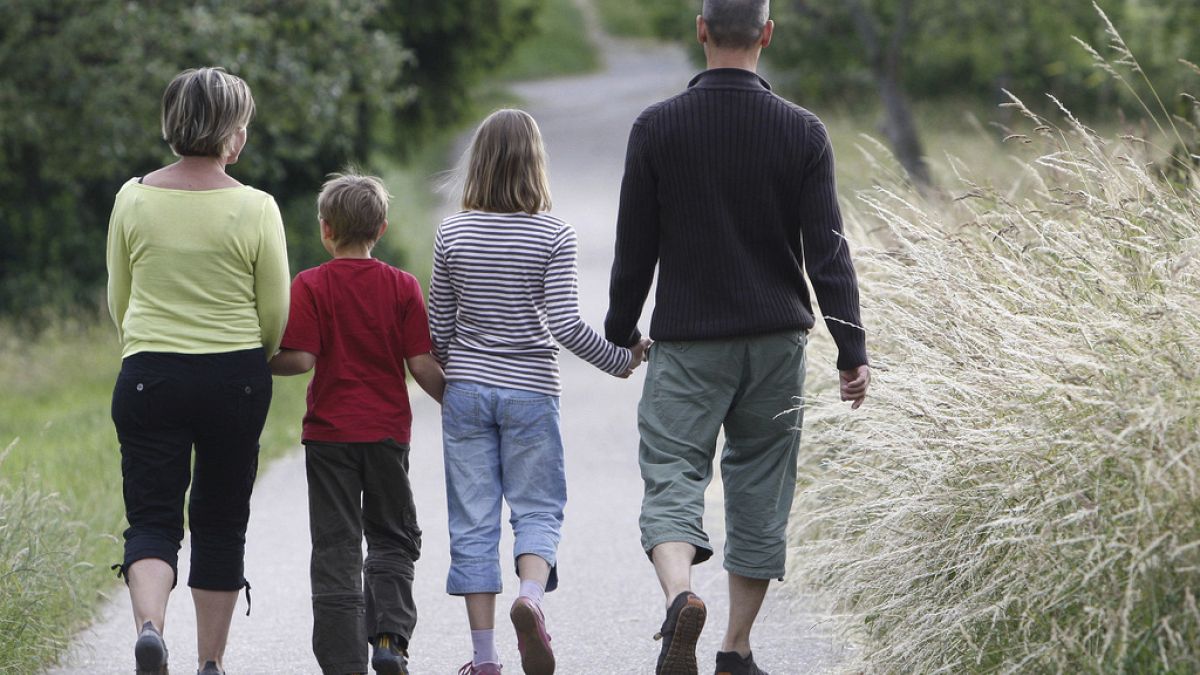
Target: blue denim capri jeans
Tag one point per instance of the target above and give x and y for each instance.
(500, 443)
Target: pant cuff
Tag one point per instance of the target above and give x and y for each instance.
(704, 550)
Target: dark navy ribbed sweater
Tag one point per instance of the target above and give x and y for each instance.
(729, 189)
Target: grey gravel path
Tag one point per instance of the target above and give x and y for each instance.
(609, 605)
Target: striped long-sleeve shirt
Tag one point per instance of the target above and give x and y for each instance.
(504, 289)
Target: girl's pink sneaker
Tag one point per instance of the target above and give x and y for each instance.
(537, 658)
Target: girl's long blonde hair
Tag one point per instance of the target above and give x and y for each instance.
(506, 170)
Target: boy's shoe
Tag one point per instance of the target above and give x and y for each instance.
(469, 668)
(537, 658)
(732, 663)
(679, 633)
(389, 658)
(150, 651)
(210, 668)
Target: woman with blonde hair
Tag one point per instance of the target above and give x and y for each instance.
(198, 289)
(503, 292)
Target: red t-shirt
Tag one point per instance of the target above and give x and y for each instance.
(362, 319)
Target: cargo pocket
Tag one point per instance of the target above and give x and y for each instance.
(136, 401)
(249, 399)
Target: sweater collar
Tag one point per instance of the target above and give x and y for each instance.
(729, 78)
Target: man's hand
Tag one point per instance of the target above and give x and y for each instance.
(639, 355)
(854, 384)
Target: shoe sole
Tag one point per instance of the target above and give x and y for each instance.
(681, 656)
(537, 657)
(388, 667)
(151, 657)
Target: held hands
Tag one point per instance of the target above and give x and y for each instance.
(854, 384)
(640, 350)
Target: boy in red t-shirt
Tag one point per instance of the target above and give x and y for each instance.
(359, 322)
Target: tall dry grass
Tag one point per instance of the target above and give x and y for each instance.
(1022, 491)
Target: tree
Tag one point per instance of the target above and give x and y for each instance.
(334, 80)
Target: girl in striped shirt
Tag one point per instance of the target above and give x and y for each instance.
(503, 293)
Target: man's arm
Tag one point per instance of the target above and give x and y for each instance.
(637, 241)
(827, 253)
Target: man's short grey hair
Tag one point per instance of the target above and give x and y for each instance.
(736, 24)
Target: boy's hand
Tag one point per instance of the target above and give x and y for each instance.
(640, 350)
(854, 384)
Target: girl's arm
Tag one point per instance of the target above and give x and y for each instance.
(426, 371)
(562, 308)
(443, 306)
(292, 362)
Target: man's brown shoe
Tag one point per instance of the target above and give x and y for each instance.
(679, 633)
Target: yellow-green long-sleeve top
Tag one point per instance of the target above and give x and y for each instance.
(196, 272)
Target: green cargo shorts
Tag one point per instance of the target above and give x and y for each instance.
(751, 387)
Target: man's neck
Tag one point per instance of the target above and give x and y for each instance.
(745, 59)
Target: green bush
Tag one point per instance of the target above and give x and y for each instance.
(1020, 492)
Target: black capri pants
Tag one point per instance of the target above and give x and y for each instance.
(164, 405)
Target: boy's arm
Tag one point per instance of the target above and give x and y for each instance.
(426, 371)
(292, 362)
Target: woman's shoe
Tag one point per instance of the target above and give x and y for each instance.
(150, 651)
(210, 668)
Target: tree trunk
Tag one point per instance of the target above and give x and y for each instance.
(900, 130)
(884, 58)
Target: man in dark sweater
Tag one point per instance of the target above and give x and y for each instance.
(729, 191)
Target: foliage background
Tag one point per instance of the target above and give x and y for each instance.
(335, 81)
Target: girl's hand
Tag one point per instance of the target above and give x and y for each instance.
(640, 352)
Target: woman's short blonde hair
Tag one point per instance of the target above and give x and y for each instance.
(355, 206)
(202, 111)
(506, 172)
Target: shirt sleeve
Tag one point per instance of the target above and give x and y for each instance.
(303, 331)
(120, 269)
(271, 278)
(415, 321)
(562, 309)
(636, 253)
(827, 253)
(443, 305)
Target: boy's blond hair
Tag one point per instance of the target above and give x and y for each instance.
(506, 172)
(354, 206)
(203, 109)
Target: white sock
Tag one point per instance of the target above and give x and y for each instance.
(532, 590)
(484, 643)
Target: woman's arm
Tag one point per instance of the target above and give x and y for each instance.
(426, 371)
(292, 362)
(120, 274)
(271, 280)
